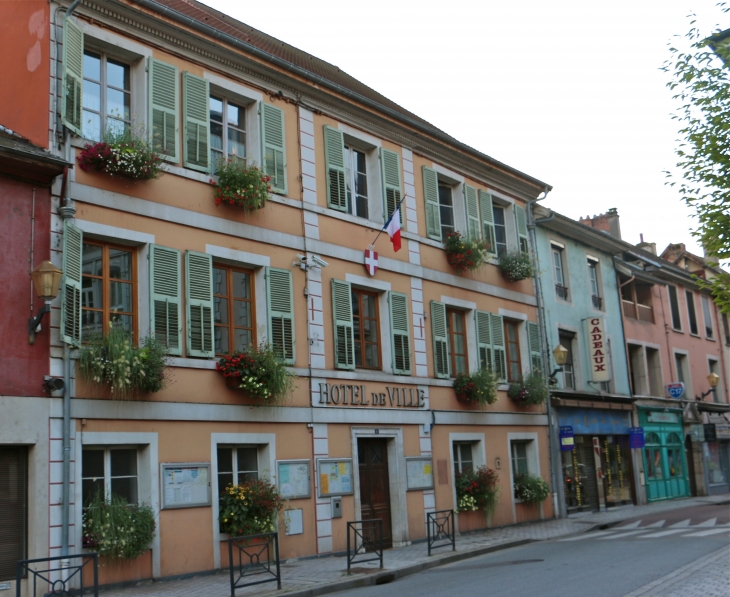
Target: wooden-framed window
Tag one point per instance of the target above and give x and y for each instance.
(512, 342)
(456, 329)
(234, 312)
(227, 130)
(463, 457)
(108, 288)
(500, 230)
(110, 471)
(107, 103)
(236, 465)
(365, 319)
(446, 210)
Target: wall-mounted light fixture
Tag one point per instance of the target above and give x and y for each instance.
(561, 356)
(713, 379)
(46, 281)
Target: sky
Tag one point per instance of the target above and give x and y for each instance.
(569, 92)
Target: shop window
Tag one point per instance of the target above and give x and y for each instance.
(693, 327)
(512, 341)
(566, 341)
(108, 288)
(674, 455)
(106, 103)
(653, 457)
(714, 367)
(456, 329)
(236, 465)
(716, 462)
(463, 457)
(109, 471)
(365, 318)
(674, 304)
(707, 316)
(233, 309)
(13, 509)
(227, 130)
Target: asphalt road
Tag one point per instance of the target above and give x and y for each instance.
(612, 562)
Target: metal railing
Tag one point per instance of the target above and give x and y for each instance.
(255, 555)
(440, 527)
(48, 577)
(597, 301)
(561, 291)
(368, 538)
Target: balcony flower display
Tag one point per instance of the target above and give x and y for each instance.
(477, 490)
(531, 489)
(515, 266)
(249, 508)
(465, 255)
(239, 184)
(479, 388)
(122, 154)
(530, 389)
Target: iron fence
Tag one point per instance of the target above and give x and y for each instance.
(49, 577)
(440, 527)
(368, 538)
(254, 555)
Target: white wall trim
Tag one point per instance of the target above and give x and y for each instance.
(368, 282)
(533, 462)
(512, 314)
(479, 454)
(461, 304)
(113, 233)
(242, 257)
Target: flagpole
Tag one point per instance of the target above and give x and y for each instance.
(397, 207)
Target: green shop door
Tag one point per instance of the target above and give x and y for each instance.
(665, 467)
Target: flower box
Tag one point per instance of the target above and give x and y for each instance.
(465, 255)
(122, 154)
(515, 266)
(240, 185)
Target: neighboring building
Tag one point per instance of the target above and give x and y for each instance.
(162, 256)
(592, 397)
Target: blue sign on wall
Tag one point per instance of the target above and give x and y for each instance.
(567, 441)
(636, 437)
(587, 421)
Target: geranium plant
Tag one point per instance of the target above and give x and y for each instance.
(117, 529)
(531, 489)
(240, 184)
(463, 254)
(476, 490)
(249, 508)
(529, 389)
(515, 266)
(259, 373)
(113, 360)
(124, 154)
(480, 388)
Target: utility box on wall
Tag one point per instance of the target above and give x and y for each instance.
(337, 507)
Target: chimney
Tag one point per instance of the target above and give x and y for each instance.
(651, 247)
(673, 252)
(607, 222)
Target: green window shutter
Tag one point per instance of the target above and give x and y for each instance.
(334, 154)
(199, 303)
(344, 335)
(400, 331)
(484, 340)
(533, 336)
(165, 297)
(273, 146)
(485, 207)
(280, 299)
(73, 246)
(472, 213)
(440, 339)
(164, 99)
(521, 225)
(390, 175)
(73, 75)
(433, 211)
(196, 91)
(499, 352)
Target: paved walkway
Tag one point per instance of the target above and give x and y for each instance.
(319, 576)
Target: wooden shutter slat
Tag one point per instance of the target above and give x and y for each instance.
(484, 339)
(199, 304)
(533, 337)
(499, 352)
(400, 331)
(487, 214)
(431, 195)
(390, 175)
(334, 153)
(521, 225)
(164, 91)
(273, 146)
(472, 212)
(73, 75)
(280, 298)
(73, 246)
(196, 91)
(343, 323)
(440, 339)
(166, 297)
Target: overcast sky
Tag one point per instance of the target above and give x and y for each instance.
(568, 91)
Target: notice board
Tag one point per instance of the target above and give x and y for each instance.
(335, 476)
(185, 484)
(419, 472)
(293, 479)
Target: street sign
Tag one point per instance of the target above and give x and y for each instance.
(567, 440)
(636, 437)
(676, 390)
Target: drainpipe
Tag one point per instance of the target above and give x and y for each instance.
(553, 431)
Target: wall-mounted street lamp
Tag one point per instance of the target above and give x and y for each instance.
(46, 281)
(713, 379)
(561, 356)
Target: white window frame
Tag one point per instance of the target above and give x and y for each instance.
(707, 316)
(108, 469)
(104, 57)
(382, 289)
(687, 294)
(594, 267)
(247, 105)
(686, 370)
(369, 145)
(469, 308)
(533, 463)
(478, 453)
(558, 248)
(679, 307)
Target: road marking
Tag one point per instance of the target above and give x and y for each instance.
(587, 536)
(663, 534)
(708, 523)
(678, 525)
(622, 535)
(656, 525)
(707, 533)
(631, 525)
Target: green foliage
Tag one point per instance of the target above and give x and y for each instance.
(700, 82)
(529, 389)
(260, 373)
(477, 490)
(515, 265)
(480, 387)
(531, 489)
(240, 184)
(117, 529)
(113, 360)
(463, 254)
(249, 508)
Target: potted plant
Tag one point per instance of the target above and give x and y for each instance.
(239, 184)
(124, 154)
(249, 508)
(531, 489)
(515, 266)
(530, 389)
(479, 388)
(477, 490)
(112, 360)
(465, 255)
(259, 373)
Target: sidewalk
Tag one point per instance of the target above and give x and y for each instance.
(318, 576)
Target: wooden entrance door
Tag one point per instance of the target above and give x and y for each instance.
(374, 483)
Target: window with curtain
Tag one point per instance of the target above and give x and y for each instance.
(456, 328)
(365, 329)
(233, 309)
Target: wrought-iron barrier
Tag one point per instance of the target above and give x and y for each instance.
(368, 538)
(255, 555)
(440, 527)
(48, 577)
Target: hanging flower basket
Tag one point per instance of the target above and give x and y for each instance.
(515, 266)
(465, 255)
(241, 185)
(249, 508)
(531, 489)
(477, 490)
(122, 154)
(529, 390)
(479, 388)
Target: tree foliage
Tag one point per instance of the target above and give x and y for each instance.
(700, 82)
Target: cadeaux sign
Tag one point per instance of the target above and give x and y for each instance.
(598, 350)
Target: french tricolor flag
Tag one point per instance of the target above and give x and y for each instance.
(392, 227)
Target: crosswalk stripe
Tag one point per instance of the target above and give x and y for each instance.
(663, 534)
(631, 525)
(622, 535)
(656, 525)
(678, 525)
(707, 533)
(708, 523)
(587, 536)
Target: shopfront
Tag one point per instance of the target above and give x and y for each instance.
(665, 464)
(716, 454)
(598, 471)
